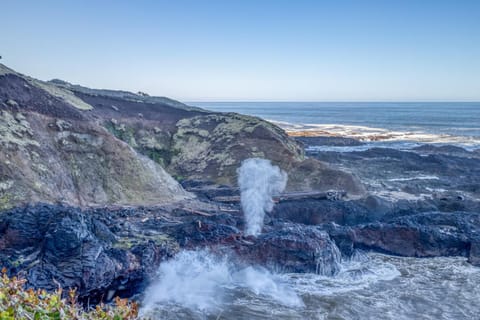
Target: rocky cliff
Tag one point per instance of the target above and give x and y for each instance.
(66, 143)
(102, 150)
(52, 149)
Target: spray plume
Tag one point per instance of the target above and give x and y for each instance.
(259, 181)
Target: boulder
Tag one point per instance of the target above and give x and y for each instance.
(64, 246)
(293, 248)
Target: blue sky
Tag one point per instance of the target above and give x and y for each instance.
(251, 49)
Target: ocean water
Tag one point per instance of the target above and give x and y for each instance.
(199, 285)
(395, 124)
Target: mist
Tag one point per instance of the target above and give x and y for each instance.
(259, 181)
(201, 280)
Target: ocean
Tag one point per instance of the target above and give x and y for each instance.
(394, 124)
(201, 285)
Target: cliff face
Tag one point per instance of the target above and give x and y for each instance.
(63, 142)
(192, 143)
(212, 146)
(189, 142)
(51, 149)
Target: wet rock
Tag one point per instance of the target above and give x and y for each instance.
(329, 141)
(294, 248)
(343, 238)
(421, 235)
(447, 149)
(203, 231)
(11, 103)
(410, 241)
(57, 245)
(426, 173)
(282, 247)
(315, 212)
(474, 254)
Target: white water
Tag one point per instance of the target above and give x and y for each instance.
(201, 281)
(259, 181)
(200, 285)
(422, 122)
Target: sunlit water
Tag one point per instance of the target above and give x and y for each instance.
(196, 285)
(393, 124)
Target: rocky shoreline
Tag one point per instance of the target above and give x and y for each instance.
(110, 251)
(88, 197)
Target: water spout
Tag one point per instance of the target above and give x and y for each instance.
(259, 181)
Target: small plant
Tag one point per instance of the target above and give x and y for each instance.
(16, 302)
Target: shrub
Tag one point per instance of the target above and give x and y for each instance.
(17, 302)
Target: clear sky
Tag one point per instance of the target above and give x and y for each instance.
(251, 49)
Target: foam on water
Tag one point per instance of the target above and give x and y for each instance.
(202, 281)
(202, 285)
(377, 137)
(399, 145)
(356, 273)
(419, 177)
(205, 283)
(446, 122)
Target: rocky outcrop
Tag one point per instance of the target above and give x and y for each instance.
(212, 146)
(52, 150)
(107, 251)
(293, 248)
(431, 234)
(425, 172)
(195, 144)
(63, 246)
(108, 156)
(311, 174)
(388, 228)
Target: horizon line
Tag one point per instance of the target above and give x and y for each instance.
(329, 101)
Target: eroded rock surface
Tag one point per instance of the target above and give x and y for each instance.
(81, 146)
(63, 246)
(114, 153)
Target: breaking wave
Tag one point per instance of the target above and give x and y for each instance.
(377, 137)
(200, 284)
(204, 282)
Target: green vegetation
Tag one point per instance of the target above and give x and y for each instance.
(159, 240)
(5, 201)
(122, 132)
(162, 156)
(16, 302)
(148, 147)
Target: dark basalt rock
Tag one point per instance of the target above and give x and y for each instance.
(428, 172)
(284, 247)
(329, 141)
(314, 212)
(431, 234)
(201, 232)
(294, 248)
(64, 246)
(474, 254)
(108, 251)
(410, 240)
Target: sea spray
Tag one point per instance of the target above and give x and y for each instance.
(259, 181)
(202, 281)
